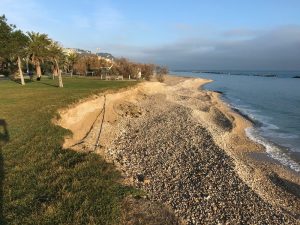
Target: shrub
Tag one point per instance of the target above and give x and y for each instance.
(161, 72)
(147, 71)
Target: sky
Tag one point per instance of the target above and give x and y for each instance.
(203, 34)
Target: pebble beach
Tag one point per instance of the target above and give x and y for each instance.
(171, 141)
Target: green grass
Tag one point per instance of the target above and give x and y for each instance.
(41, 183)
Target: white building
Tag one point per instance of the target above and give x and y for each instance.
(69, 51)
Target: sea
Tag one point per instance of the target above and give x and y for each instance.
(270, 99)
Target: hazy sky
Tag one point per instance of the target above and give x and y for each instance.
(211, 34)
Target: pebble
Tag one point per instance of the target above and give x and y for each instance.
(175, 160)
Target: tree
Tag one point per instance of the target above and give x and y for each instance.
(127, 68)
(147, 70)
(18, 44)
(12, 44)
(55, 54)
(5, 32)
(161, 72)
(90, 62)
(38, 49)
(72, 58)
(80, 66)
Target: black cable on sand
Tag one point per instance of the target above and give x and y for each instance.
(92, 127)
(98, 138)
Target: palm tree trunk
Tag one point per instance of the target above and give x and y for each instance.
(38, 69)
(20, 71)
(54, 72)
(60, 82)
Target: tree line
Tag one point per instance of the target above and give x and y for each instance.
(17, 47)
(33, 50)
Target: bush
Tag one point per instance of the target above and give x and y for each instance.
(147, 71)
(89, 62)
(127, 68)
(161, 72)
(160, 78)
(122, 66)
(5, 72)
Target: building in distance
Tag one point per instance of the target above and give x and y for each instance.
(69, 51)
(106, 56)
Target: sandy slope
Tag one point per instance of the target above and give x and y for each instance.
(128, 122)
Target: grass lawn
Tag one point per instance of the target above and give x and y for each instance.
(40, 183)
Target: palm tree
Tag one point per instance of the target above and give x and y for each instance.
(55, 54)
(38, 49)
(18, 45)
(12, 44)
(72, 58)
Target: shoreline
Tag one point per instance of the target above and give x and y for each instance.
(282, 156)
(226, 127)
(275, 152)
(253, 124)
(254, 164)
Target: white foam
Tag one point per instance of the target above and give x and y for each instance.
(273, 150)
(269, 126)
(269, 130)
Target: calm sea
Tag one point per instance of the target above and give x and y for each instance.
(271, 100)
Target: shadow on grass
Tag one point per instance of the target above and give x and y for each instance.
(18, 81)
(52, 85)
(4, 138)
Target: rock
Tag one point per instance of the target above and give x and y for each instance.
(176, 162)
(140, 177)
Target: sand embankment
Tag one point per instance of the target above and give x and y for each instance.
(188, 150)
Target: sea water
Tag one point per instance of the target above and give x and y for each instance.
(271, 100)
